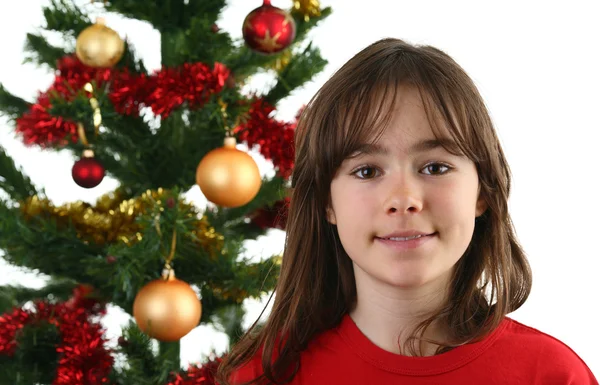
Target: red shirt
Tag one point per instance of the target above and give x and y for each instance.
(514, 354)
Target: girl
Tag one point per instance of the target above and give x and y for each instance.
(401, 262)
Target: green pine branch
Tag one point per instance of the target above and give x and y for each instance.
(143, 366)
(10, 105)
(15, 296)
(66, 17)
(35, 359)
(300, 70)
(244, 62)
(40, 52)
(253, 279)
(163, 15)
(131, 61)
(303, 27)
(228, 320)
(38, 243)
(182, 45)
(61, 16)
(12, 179)
(230, 221)
(169, 14)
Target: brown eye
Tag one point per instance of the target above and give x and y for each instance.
(436, 169)
(366, 172)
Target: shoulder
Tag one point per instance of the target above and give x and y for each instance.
(321, 347)
(545, 345)
(548, 354)
(248, 371)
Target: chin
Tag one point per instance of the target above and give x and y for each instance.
(408, 281)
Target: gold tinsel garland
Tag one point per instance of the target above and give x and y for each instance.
(113, 219)
(282, 61)
(307, 8)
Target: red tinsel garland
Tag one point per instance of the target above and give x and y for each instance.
(83, 357)
(198, 375)
(273, 217)
(167, 89)
(37, 125)
(72, 75)
(275, 138)
(128, 92)
(192, 83)
(164, 91)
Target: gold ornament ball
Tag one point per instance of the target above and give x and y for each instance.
(167, 309)
(99, 46)
(227, 176)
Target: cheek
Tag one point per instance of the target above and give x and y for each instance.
(352, 208)
(454, 206)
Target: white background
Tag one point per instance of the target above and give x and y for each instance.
(536, 64)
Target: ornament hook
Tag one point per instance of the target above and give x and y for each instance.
(97, 116)
(168, 269)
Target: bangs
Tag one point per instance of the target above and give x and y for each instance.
(356, 105)
(365, 116)
(363, 105)
(367, 111)
(448, 117)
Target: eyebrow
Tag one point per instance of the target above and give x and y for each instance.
(422, 146)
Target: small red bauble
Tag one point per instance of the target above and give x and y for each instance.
(268, 29)
(170, 202)
(87, 172)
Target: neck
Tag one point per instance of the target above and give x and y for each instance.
(388, 315)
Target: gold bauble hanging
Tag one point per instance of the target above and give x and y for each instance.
(227, 176)
(99, 46)
(167, 309)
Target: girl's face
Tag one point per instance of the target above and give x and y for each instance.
(405, 207)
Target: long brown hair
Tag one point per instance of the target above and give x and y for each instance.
(316, 286)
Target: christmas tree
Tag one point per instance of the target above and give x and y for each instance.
(144, 247)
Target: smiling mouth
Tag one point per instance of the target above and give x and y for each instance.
(405, 238)
(405, 243)
(402, 239)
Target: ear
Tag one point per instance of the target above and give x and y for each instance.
(330, 215)
(481, 206)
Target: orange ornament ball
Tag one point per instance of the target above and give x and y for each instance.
(227, 176)
(167, 309)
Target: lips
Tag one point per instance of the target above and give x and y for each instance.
(405, 238)
(405, 234)
(405, 242)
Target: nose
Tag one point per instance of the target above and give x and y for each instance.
(403, 196)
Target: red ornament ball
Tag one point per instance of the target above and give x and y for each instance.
(268, 29)
(123, 342)
(170, 202)
(87, 172)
